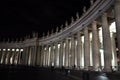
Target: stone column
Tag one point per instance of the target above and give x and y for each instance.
(52, 55)
(42, 56)
(86, 49)
(19, 56)
(66, 52)
(43, 53)
(34, 54)
(49, 56)
(26, 55)
(13, 56)
(55, 57)
(23, 56)
(95, 46)
(61, 54)
(0, 54)
(72, 51)
(79, 49)
(114, 54)
(117, 20)
(30, 55)
(106, 43)
(7, 56)
(38, 56)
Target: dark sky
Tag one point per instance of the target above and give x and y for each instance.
(19, 19)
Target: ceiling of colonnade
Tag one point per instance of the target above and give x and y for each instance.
(21, 18)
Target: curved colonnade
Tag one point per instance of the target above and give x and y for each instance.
(89, 43)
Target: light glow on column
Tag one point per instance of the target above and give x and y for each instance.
(102, 57)
(63, 54)
(91, 58)
(114, 54)
(82, 55)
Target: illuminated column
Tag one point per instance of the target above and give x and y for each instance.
(52, 55)
(7, 56)
(117, 19)
(20, 56)
(95, 46)
(16, 56)
(56, 55)
(13, 56)
(61, 54)
(48, 55)
(72, 51)
(1, 54)
(79, 49)
(44, 53)
(86, 49)
(69, 60)
(29, 55)
(114, 54)
(66, 52)
(82, 52)
(106, 43)
(4, 56)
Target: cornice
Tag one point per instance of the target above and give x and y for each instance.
(92, 13)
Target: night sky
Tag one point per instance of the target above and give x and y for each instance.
(20, 19)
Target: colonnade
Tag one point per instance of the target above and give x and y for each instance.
(94, 46)
(10, 56)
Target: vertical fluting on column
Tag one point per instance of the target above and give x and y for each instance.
(117, 20)
(61, 54)
(86, 49)
(106, 43)
(95, 46)
(79, 49)
(66, 52)
(73, 52)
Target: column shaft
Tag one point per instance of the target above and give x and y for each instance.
(117, 20)
(79, 49)
(106, 43)
(61, 54)
(72, 51)
(95, 46)
(86, 49)
(66, 52)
